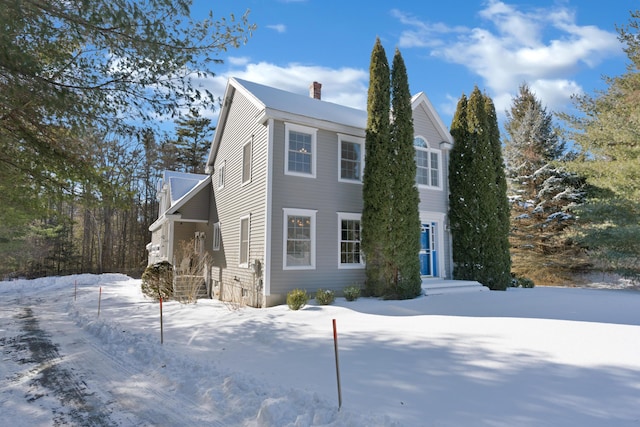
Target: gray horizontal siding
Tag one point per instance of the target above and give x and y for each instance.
(236, 199)
(327, 196)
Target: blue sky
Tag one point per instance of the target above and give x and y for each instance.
(558, 47)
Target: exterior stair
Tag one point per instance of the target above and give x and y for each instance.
(437, 286)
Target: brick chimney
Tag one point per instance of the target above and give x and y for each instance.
(315, 90)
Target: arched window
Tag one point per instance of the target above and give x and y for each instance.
(428, 164)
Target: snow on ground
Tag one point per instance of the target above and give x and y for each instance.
(525, 357)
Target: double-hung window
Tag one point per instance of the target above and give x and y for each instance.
(300, 150)
(428, 164)
(299, 251)
(351, 158)
(349, 250)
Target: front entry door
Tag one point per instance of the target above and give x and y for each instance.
(428, 250)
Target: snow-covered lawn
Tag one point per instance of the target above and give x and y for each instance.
(525, 357)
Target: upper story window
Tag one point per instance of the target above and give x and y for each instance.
(247, 150)
(351, 158)
(300, 150)
(428, 164)
(221, 172)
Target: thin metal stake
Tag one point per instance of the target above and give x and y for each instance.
(161, 327)
(99, 301)
(335, 346)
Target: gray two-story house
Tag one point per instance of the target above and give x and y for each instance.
(281, 203)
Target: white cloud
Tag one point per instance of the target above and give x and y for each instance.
(280, 28)
(543, 47)
(346, 86)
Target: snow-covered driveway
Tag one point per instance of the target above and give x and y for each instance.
(541, 357)
(54, 365)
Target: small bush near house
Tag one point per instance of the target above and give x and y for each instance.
(325, 296)
(157, 281)
(297, 298)
(351, 293)
(523, 282)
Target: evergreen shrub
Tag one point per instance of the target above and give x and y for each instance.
(325, 296)
(157, 281)
(352, 292)
(297, 298)
(523, 282)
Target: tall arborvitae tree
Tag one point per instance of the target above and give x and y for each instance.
(542, 193)
(405, 217)
(501, 274)
(475, 207)
(377, 190)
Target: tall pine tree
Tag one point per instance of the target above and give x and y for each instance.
(193, 142)
(542, 194)
(476, 199)
(377, 184)
(405, 218)
(606, 135)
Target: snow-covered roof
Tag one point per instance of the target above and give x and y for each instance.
(180, 183)
(302, 105)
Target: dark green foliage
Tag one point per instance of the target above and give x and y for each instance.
(297, 298)
(405, 216)
(71, 69)
(377, 190)
(501, 266)
(522, 282)
(351, 293)
(325, 296)
(477, 199)
(157, 281)
(605, 133)
(390, 217)
(193, 142)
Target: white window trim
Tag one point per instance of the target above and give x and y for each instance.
(221, 174)
(430, 150)
(314, 151)
(250, 144)
(244, 264)
(217, 236)
(354, 140)
(299, 212)
(351, 216)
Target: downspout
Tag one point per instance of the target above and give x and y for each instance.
(266, 268)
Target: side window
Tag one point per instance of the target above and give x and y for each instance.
(300, 150)
(299, 252)
(245, 223)
(221, 174)
(216, 236)
(351, 158)
(247, 151)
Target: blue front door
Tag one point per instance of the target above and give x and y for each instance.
(428, 251)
